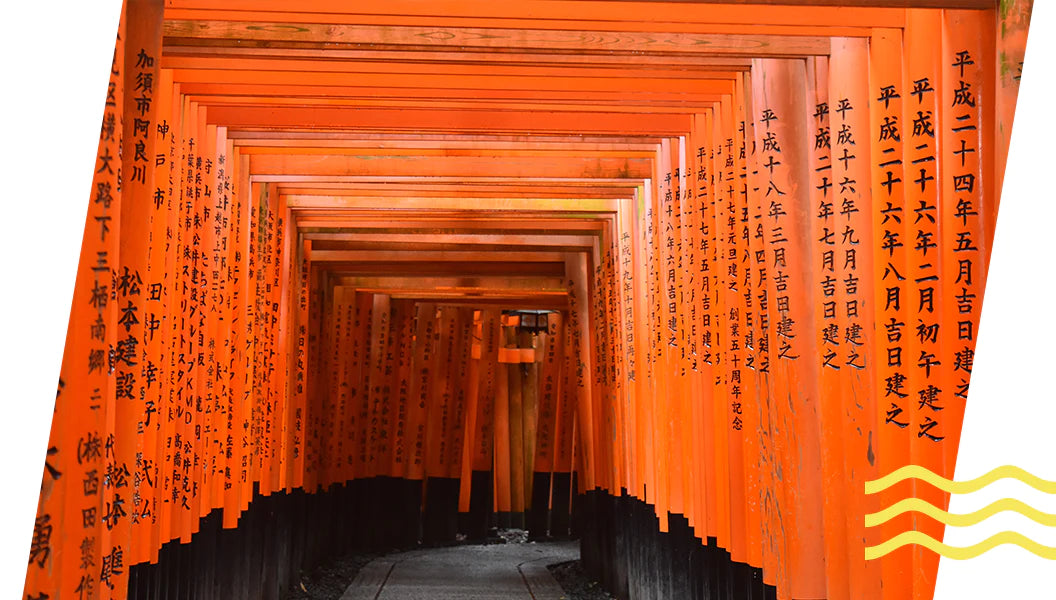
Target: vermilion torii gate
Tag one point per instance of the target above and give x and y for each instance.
(319, 237)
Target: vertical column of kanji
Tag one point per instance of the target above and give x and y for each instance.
(602, 387)
(235, 365)
(378, 392)
(721, 195)
(967, 44)
(681, 400)
(887, 133)
(391, 408)
(185, 360)
(350, 407)
(193, 328)
(460, 393)
(682, 361)
(710, 327)
(458, 344)
(549, 391)
(259, 244)
(484, 437)
(922, 352)
(287, 341)
(299, 373)
(280, 323)
(439, 404)
(580, 326)
(350, 351)
(641, 222)
(353, 414)
(224, 277)
(515, 389)
(334, 347)
(315, 416)
(827, 328)
(621, 399)
(421, 384)
(599, 389)
(766, 497)
(328, 391)
(565, 412)
(259, 398)
(208, 386)
(223, 225)
(852, 171)
(123, 357)
(160, 287)
(469, 428)
(140, 112)
(668, 498)
(782, 136)
(469, 389)
(567, 420)
(65, 550)
(344, 342)
(504, 407)
(198, 329)
(403, 311)
(1012, 23)
(704, 304)
(382, 382)
(747, 302)
(625, 321)
(387, 412)
(622, 443)
(733, 247)
(338, 437)
(649, 281)
(695, 288)
(247, 314)
(272, 419)
(173, 301)
(335, 300)
(223, 258)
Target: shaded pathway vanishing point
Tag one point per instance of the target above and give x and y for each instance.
(507, 571)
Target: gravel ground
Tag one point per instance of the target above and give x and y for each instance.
(329, 581)
(578, 585)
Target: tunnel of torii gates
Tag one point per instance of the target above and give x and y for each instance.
(677, 279)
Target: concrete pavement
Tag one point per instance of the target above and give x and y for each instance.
(498, 571)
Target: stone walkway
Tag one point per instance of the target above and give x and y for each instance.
(498, 571)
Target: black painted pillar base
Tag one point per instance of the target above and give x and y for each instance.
(559, 510)
(440, 521)
(474, 524)
(623, 548)
(538, 517)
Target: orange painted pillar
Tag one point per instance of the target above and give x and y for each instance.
(889, 133)
(921, 352)
(469, 427)
(69, 511)
(423, 369)
(580, 327)
(781, 136)
(849, 102)
(403, 330)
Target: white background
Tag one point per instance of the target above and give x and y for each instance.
(1011, 412)
(56, 56)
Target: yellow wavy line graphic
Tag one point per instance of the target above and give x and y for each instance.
(959, 487)
(957, 552)
(959, 520)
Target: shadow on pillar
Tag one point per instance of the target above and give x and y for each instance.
(623, 548)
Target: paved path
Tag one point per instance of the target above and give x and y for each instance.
(498, 571)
